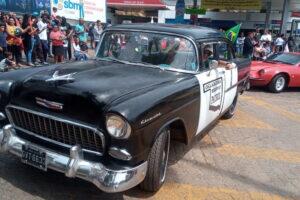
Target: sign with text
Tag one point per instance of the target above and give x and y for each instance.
(295, 14)
(24, 6)
(89, 10)
(195, 11)
(231, 4)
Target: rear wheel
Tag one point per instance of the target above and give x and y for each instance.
(157, 163)
(278, 83)
(231, 111)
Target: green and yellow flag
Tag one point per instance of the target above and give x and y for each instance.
(233, 33)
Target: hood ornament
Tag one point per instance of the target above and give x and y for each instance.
(57, 77)
(49, 104)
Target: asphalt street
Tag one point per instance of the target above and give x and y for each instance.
(255, 155)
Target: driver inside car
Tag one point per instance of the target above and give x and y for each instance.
(209, 61)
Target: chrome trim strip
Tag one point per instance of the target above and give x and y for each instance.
(73, 165)
(2, 116)
(56, 119)
(121, 154)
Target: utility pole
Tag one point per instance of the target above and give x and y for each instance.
(268, 12)
(284, 16)
(194, 17)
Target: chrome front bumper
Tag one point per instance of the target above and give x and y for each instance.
(108, 180)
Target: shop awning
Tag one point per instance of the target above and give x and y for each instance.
(145, 4)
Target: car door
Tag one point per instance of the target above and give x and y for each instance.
(211, 82)
(225, 53)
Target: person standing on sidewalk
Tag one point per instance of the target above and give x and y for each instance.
(81, 33)
(43, 35)
(98, 29)
(29, 39)
(240, 44)
(57, 38)
(3, 44)
(14, 40)
(248, 46)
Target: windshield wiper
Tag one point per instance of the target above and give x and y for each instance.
(277, 61)
(113, 60)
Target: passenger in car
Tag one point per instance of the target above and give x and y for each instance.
(209, 60)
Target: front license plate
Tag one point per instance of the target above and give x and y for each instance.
(34, 157)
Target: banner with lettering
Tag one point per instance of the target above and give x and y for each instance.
(90, 10)
(231, 4)
(24, 6)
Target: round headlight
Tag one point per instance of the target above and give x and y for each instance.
(117, 126)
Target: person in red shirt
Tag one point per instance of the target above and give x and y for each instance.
(57, 37)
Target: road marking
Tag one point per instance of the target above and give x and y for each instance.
(274, 108)
(177, 191)
(245, 120)
(259, 153)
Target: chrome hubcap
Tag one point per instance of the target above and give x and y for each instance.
(165, 157)
(280, 83)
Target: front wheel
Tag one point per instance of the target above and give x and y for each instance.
(157, 163)
(278, 83)
(230, 112)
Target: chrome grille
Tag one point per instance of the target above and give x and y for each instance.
(56, 130)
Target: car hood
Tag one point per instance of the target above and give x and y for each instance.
(258, 65)
(98, 81)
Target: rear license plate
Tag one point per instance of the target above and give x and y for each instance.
(34, 157)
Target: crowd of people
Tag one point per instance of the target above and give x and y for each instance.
(32, 39)
(259, 46)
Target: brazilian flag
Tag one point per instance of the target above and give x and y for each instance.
(233, 33)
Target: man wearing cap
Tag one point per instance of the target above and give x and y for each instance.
(208, 59)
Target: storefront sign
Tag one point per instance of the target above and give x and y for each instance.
(90, 10)
(232, 4)
(276, 22)
(136, 3)
(295, 14)
(195, 11)
(24, 6)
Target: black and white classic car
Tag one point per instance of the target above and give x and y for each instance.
(109, 120)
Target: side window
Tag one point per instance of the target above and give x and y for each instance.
(224, 51)
(208, 56)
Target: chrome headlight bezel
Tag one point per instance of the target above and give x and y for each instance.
(117, 126)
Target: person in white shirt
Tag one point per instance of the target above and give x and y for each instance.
(240, 44)
(266, 37)
(98, 29)
(43, 35)
(78, 53)
(279, 42)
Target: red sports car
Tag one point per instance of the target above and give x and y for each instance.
(277, 72)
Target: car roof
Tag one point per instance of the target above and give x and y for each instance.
(195, 32)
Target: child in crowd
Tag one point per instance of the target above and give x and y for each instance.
(57, 38)
(3, 44)
(7, 63)
(78, 53)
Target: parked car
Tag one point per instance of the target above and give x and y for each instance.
(277, 72)
(110, 120)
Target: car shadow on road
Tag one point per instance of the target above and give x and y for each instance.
(244, 179)
(53, 185)
(265, 90)
(49, 185)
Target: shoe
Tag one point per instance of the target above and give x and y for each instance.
(30, 64)
(45, 63)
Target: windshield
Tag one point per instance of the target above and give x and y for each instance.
(153, 49)
(287, 58)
